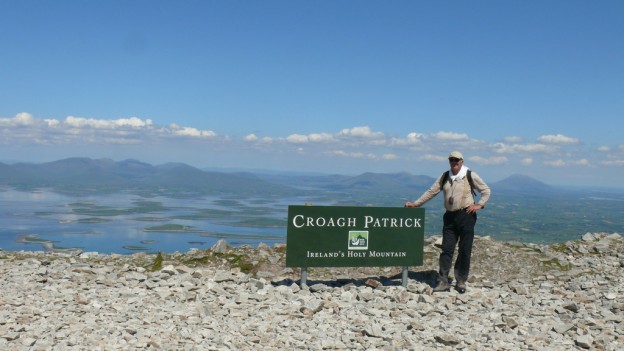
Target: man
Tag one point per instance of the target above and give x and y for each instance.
(459, 219)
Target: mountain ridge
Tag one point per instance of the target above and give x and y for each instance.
(106, 175)
(77, 174)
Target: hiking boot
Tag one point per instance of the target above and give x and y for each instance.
(460, 287)
(443, 285)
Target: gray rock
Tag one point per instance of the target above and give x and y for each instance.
(221, 246)
(571, 306)
(447, 339)
(169, 270)
(514, 302)
(224, 276)
(584, 341)
(588, 237)
(562, 328)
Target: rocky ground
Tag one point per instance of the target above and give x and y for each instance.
(520, 297)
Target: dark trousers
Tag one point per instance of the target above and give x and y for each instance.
(458, 227)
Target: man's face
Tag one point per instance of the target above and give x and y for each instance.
(456, 164)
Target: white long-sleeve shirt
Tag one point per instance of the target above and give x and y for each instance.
(459, 191)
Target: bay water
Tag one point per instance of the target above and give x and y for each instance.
(126, 223)
(121, 222)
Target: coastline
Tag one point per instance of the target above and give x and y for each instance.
(520, 296)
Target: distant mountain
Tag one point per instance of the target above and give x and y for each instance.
(392, 184)
(79, 175)
(300, 181)
(382, 182)
(405, 183)
(105, 175)
(521, 183)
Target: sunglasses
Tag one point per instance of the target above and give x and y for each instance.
(454, 159)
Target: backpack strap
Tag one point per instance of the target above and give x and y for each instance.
(472, 187)
(445, 177)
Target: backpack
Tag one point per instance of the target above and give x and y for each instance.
(445, 178)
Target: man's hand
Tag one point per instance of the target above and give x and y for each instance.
(473, 208)
(410, 204)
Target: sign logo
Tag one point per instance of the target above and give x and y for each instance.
(358, 240)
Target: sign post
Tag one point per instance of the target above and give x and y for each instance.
(344, 236)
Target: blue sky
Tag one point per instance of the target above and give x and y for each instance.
(529, 87)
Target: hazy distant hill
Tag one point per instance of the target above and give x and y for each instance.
(371, 181)
(521, 183)
(402, 183)
(105, 175)
(398, 185)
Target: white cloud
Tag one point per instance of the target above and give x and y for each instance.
(534, 148)
(562, 163)
(310, 138)
(555, 163)
(512, 139)
(370, 137)
(250, 137)
(320, 137)
(411, 139)
(21, 119)
(347, 154)
(430, 157)
(414, 138)
(133, 122)
(254, 138)
(193, 132)
(361, 132)
(494, 160)
(73, 129)
(52, 123)
(120, 141)
(297, 139)
(451, 136)
(390, 156)
(558, 139)
(502, 148)
(378, 142)
(358, 143)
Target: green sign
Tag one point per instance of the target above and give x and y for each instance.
(342, 236)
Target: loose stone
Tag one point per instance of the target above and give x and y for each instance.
(520, 297)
